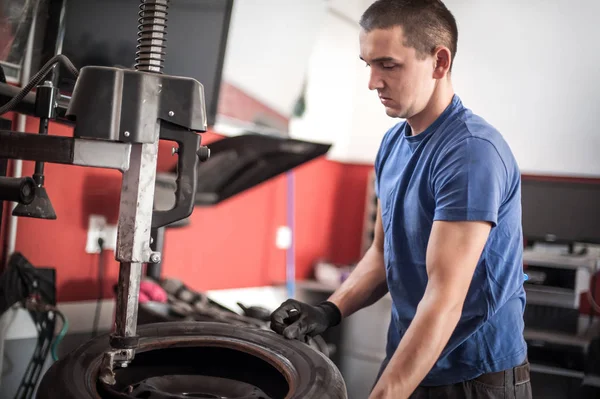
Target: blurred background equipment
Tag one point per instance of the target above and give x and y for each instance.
(195, 48)
(561, 211)
(561, 230)
(16, 19)
(23, 286)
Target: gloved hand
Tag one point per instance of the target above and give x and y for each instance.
(296, 320)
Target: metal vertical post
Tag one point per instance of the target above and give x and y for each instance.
(133, 236)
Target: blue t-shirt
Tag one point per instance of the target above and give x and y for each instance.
(459, 169)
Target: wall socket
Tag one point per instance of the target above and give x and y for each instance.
(283, 237)
(99, 228)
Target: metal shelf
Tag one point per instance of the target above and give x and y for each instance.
(538, 258)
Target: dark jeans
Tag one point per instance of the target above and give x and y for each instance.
(509, 384)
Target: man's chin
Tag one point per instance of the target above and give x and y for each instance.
(393, 112)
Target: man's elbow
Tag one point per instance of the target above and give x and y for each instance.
(377, 245)
(444, 302)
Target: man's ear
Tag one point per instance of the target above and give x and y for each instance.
(443, 61)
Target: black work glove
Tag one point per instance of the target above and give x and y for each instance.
(296, 320)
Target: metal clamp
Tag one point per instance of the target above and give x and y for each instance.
(112, 359)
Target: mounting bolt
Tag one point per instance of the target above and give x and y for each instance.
(155, 257)
(203, 153)
(171, 113)
(126, 134)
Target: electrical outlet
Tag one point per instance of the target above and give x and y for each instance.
(98, 228)
(110, 237)
(283, 238)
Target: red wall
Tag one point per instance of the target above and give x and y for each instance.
(226, 246)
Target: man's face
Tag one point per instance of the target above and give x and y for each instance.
(404, 82)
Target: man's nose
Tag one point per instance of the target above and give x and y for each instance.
(375, 81)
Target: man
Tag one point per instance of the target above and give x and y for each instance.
(448, 240)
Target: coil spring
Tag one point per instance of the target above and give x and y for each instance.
(152, 31)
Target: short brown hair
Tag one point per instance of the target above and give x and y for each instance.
(426, 23)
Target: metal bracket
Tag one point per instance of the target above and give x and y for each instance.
(110, 360)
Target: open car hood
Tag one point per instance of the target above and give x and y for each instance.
(237, 164)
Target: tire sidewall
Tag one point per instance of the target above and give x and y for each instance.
(75, 376)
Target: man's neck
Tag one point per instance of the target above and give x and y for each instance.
(441, 98)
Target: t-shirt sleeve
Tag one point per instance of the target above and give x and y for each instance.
(469, 182)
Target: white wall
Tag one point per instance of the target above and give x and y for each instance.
(340, 109)
(268, 48)
(275, 46)
(531, 69)
(528, 67)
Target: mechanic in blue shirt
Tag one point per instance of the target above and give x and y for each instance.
(448, 239)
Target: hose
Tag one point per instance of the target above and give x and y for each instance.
(37, 79)
(61, 334)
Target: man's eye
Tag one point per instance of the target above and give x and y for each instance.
(388, 65)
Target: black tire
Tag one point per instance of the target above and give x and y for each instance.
(283, 369)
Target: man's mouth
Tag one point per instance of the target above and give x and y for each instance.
(385, 100)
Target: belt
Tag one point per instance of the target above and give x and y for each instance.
(515, 376)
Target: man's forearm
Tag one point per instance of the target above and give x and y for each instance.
(422, 344)
(365, 285)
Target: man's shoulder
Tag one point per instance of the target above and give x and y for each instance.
(477, 127)
(475, 133)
